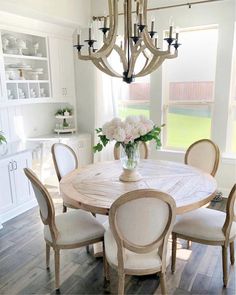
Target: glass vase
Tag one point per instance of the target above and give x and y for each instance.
(130, 160)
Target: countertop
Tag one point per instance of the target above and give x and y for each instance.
(17, 147)
(34, 143)
(53, 136)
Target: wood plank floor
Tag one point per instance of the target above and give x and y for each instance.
(22, 266)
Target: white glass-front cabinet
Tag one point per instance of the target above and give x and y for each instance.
(62, 68)
(16, 193)
(24, 66)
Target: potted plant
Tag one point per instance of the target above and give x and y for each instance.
(3, 143)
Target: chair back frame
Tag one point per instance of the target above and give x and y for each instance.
(217, 154)
(230, 214)
(116, 151)
(50, 220)
(53, 150)
(160, 243)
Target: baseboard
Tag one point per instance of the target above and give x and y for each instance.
(17, 211)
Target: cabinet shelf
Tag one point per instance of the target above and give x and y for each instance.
(27, 81)
(66, 130)
(63, 117)
(24, 56)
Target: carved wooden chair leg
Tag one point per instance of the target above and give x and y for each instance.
(231, 246)
(224, 264)
(87, 249)
(174, 247)
(105, 265)
(121, 284)
(189, 244)
(57, 268)
(64, 210)
(47, 256)
(163, 283)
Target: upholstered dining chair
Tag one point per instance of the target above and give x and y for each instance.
(69, 230)
(203, 154)
(211, 227)
(136, 241)
(143, 151)
(65, 161)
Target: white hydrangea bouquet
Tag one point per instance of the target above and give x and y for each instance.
(128, 133)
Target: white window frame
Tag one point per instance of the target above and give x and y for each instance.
(168, 103)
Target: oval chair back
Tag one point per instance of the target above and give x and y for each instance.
(203, 154)
(143, 151)
(141, 221)
(47, 210)
(64, 159)
(230, 213)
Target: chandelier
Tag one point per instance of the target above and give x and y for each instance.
(138, 41)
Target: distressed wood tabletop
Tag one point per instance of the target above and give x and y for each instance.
(96, 186)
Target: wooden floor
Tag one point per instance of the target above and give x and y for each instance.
(22, 266)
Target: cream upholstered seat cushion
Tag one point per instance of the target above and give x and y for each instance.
(74, 227)
(203, 223)
(132, 260)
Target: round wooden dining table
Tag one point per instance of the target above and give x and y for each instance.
(95, 187)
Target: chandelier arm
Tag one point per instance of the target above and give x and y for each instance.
(153, 64)
(100, 65)
(104, 62)
(122, 56)
(108, 45)
(134, 56)
(148, 41)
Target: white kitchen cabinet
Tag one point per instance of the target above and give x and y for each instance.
(22, 184)
(80, 143)
(62, 68)
(7, 185)
(16, 193)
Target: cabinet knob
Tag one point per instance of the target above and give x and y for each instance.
(10, 166)
(14, 165)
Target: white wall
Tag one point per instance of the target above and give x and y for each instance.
(66, 11)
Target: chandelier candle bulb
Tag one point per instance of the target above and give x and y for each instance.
(135, 30)
(105, 22)
(141, 19)
(152, 25)
(170, 31)
(78, 39)
(90, 33)
(177, 37)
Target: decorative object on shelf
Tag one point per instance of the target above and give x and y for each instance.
(5, 44)
(64, 112)
(137, 43)
(35, 73)
(21, 93)
(9, 94)
(36, 48)
(32, 93)
(3, 144)
(42, 92)
(21, 45)
(128, 134)
(66, 123)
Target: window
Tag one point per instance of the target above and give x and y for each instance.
(188, 87)
(135, 98)
(232, 114)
